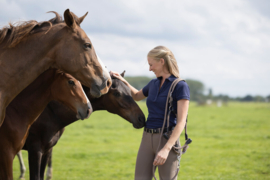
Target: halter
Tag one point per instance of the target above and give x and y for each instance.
(165, 135)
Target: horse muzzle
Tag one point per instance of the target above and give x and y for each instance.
(85, 113)
(139, 123)
(99, 90)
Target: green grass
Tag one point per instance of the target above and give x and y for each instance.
(229, 142)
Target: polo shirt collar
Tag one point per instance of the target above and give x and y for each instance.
(171, 78)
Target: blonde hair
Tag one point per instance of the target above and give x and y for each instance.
(165, 53)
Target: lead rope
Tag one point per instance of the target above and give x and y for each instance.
(188, 141)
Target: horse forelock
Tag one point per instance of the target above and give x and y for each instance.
(57, 19)
(58, 71)
(120, 85)
(14, 33)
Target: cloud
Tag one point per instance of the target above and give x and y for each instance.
(225, 44)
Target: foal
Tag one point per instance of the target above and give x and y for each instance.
(47, 130)
(29, 104)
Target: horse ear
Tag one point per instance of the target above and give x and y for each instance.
(69, 19)
(123, 73)
(82, 18)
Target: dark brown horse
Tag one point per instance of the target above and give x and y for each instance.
(47, 130)
(28, 49)
(29, 104)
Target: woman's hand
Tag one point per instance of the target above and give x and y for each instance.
(161, 157)
(136, 95)
(118, 76)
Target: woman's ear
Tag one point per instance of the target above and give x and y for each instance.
(162, 61)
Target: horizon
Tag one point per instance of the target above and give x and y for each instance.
(206, 89)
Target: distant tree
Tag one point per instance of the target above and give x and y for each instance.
(138, 81)
(259, 99)
(196, 90)
(247, 98)
(222, 97)
(267, 98)
(210, 93)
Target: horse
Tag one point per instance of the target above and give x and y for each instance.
(29, 104)
(30, 48)
(47, 130)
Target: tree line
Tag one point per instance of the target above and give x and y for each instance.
(198, 91)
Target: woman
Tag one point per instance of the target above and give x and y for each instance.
(163, 63)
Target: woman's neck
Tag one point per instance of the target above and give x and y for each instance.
(164, 77)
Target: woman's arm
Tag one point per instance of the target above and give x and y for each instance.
(182, 110)
(136, 95)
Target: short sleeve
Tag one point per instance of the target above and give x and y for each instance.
(145, 90)
(181, 91)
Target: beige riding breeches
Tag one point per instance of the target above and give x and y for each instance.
(146, 156)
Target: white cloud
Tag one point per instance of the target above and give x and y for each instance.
(225, 44)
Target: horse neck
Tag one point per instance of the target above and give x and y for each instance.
(23, 63)
(33, 99)
(61, 116)
(97, 103)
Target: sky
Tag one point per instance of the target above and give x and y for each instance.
(224, 44)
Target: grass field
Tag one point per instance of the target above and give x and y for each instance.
(229, 142)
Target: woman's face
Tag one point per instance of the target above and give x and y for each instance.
(156, 66)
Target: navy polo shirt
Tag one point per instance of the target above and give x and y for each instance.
(156, 100)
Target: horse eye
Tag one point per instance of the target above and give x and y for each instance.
(71, 82)
(87, 45)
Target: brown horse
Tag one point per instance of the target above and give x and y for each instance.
(28, 49)
(29, 104)
(47, 130)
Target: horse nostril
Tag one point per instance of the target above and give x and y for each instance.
(88, 113)
(109, 83)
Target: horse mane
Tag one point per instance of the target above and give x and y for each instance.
(58, 71)
(14, 33)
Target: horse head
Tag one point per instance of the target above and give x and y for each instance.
(69, 91)
(76, 55)
(119, 101)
